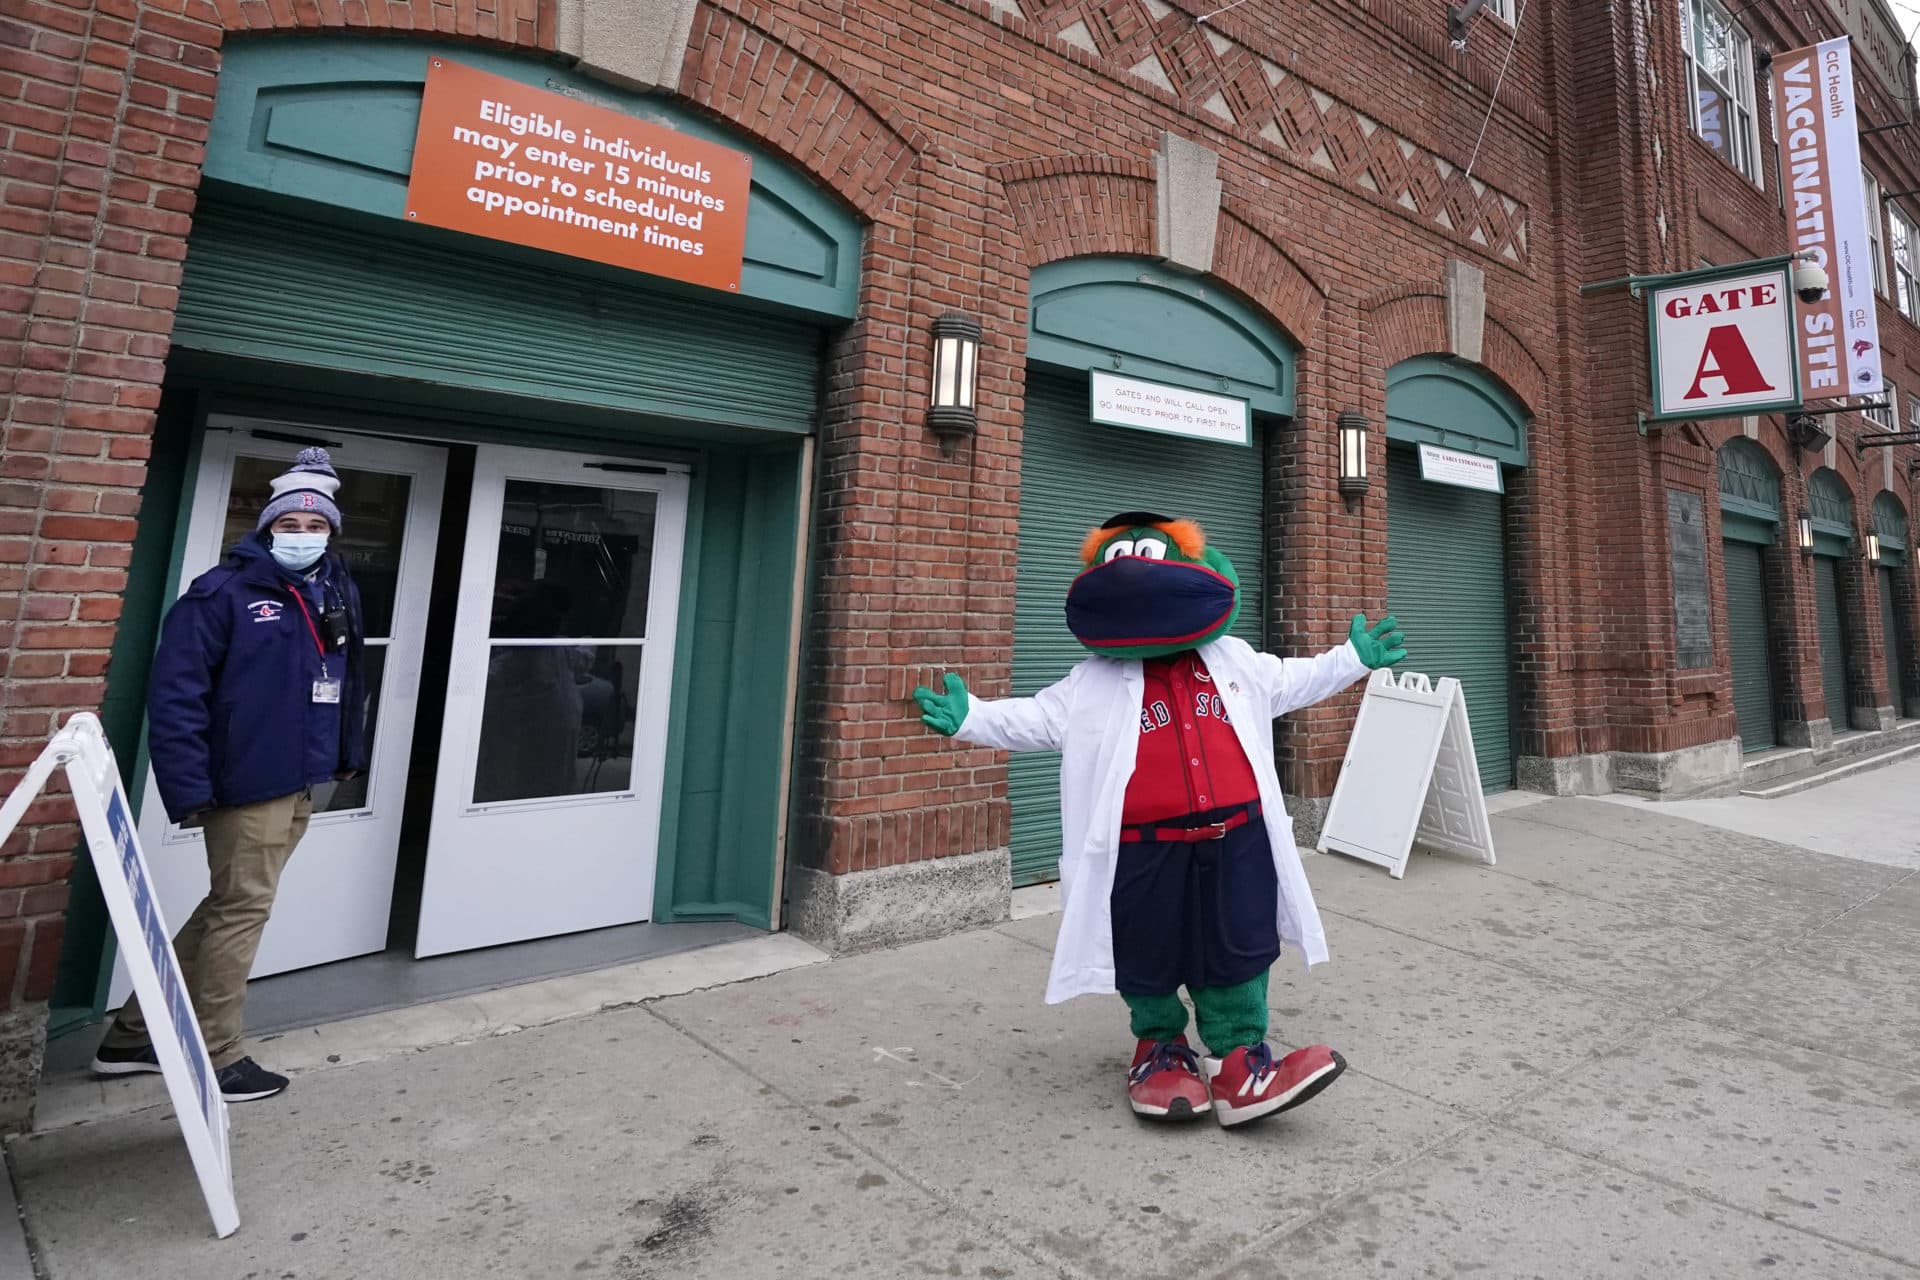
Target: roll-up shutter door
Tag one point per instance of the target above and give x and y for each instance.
(359, 302)
(1896, 652)
(1833, 640)
(1747, 626)
(1446, 583)
(1073, 475)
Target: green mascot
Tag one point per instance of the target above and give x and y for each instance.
(1177, 863)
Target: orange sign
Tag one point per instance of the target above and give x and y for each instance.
(500, 159)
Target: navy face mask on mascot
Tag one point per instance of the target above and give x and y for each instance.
(1152, 587)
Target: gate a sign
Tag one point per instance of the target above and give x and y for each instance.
(1723, 345)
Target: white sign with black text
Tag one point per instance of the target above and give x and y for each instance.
(1723, 345)
(1457, 467)
(1153, 406)
(80, 748)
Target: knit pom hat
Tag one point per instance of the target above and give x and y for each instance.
(308, 485)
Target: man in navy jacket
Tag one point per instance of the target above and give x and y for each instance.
(258, 693)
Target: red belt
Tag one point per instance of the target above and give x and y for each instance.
(1153, 831)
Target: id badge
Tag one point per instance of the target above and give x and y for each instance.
(326, 691)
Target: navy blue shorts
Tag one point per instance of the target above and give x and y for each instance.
(1195, 915)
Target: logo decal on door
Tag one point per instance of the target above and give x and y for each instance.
(265, 610)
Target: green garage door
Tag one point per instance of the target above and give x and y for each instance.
(1833, 640)
(1747, 624)
(1446, 583)
(1896, 652)
(1073, 475)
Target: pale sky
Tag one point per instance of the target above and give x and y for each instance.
(1908, 11)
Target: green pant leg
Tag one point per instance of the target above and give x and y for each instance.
(1157, 1017)
(1233, 1017)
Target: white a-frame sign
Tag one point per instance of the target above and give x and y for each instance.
(1409, 778)
(80, 748)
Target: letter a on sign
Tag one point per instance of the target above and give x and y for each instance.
(1723, 343)
(1726, 356)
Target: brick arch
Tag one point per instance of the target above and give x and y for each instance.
(1248, 255)
(1411, 320)
(1848, 467)
(1075, 206)
(531, 26)
(818, 113)
(1078, 205)
(1772, 440)
(819, 117)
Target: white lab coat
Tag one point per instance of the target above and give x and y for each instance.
(1093, 716)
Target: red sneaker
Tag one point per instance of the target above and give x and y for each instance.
(1164, 1082)
(1248, 1083)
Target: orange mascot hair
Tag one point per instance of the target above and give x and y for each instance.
(1184, 534)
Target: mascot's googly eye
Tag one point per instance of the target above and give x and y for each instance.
(1150, 549)
(1121, 547)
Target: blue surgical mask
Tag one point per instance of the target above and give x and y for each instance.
(297, 551)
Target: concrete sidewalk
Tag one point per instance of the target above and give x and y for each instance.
(1639, 1046)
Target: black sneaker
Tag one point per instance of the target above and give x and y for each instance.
(124, 1062)
(247, 1080)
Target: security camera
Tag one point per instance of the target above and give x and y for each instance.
(1809, 281)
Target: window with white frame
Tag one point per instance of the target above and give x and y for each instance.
(1888, 415)
(1720, 82)
(1502, 9)
(1906, 261)
(1876, 241)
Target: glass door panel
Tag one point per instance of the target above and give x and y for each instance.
(546, 810)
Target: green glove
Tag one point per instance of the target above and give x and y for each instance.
(1382, 645)
(947, 711)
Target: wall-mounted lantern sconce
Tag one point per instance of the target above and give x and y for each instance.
(956, 369)
(1353, 454)
(1804, 531)
(1873, 548)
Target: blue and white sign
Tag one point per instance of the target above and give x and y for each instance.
(146, 944)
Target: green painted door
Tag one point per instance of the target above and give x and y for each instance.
(1747, 626)
(1896, 652)
(1446, 583)
(1073, 475)
(1833, 640)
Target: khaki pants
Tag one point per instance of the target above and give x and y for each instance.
(247, 848)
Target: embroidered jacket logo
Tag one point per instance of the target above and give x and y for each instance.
(265, 610)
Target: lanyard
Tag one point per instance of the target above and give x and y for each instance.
(300, 598)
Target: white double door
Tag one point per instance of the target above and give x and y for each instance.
(546, 813)
(547, 792)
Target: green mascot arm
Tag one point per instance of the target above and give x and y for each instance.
(944, 712)
(1381, 645)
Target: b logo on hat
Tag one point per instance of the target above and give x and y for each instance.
(306, 502)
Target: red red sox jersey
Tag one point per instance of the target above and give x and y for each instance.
(1189, 760)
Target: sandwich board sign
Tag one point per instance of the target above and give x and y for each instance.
(1410, 777)
(80, 747)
